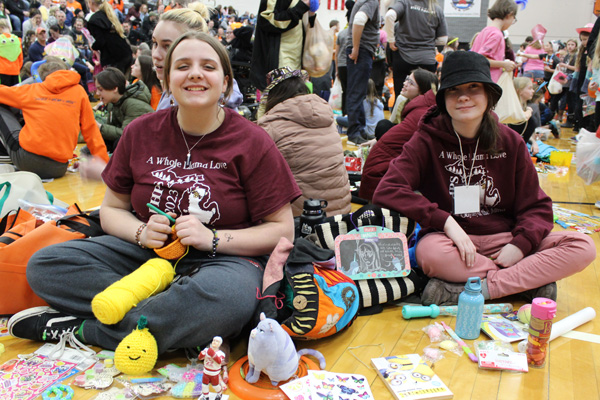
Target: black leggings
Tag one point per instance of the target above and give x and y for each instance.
(402, 69)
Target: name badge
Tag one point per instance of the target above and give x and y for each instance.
(466, 199)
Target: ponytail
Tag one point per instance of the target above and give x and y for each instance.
(107, 9)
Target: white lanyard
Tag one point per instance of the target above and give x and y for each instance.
(462, 159)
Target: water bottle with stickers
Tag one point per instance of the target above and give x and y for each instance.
(313, 214)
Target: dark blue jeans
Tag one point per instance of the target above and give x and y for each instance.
(358, 79)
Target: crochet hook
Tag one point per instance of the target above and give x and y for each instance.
(161, 212)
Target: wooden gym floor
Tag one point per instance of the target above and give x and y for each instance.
(571, 372)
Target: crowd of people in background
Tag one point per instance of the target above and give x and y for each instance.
(383, 56)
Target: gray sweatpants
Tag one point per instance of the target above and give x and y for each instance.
(210, 296)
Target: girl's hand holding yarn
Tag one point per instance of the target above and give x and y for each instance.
(193, 232)
(156, 233)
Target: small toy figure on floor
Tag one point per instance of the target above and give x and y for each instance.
(214, 361)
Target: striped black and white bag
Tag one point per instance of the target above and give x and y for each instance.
(373, 291)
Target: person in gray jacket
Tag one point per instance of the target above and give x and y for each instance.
(123, 103)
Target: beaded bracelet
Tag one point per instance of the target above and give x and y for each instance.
(138, 234)
(62, 392)
(215, 243)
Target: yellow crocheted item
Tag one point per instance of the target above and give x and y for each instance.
(174, 250)
(111, 305)
(137, 352)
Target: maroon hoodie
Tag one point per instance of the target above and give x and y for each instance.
(511, 199)
(390, 145)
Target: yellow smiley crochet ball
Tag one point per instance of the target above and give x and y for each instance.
(137, 352)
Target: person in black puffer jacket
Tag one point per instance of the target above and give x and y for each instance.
(110, 39)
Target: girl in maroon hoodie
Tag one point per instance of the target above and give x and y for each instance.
(419, 88)
(480, 203)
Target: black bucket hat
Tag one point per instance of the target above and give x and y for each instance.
(462, 67)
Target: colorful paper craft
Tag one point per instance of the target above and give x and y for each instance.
(576, 220)
(27, 379)
(499, 328)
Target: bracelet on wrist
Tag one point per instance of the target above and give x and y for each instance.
(215, 244)
(138, 234)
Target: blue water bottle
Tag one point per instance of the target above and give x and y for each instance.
(470, 310)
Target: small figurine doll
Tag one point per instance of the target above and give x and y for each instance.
(214, 362)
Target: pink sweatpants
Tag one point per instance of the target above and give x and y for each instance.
(559, 255)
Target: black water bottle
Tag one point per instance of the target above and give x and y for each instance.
(312, 214)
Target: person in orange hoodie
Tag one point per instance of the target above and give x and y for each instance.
(55, 111)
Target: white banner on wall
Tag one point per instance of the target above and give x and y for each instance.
(462, 8)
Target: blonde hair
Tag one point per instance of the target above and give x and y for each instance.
(51, 65)
(107, 9)
(574, 41)
(520, 84)
(431, 6)
(193, 17)
(596, 55)
(579, 57)
(4, 25)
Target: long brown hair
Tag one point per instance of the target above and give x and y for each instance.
(488, 133)
(284, 90)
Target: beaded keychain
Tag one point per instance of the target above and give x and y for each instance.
(62, 392)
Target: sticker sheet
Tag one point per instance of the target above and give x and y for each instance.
(3, 327)
(325, 385)
(27, 379)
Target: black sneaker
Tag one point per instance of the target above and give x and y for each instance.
(42, 324)
(549, 291)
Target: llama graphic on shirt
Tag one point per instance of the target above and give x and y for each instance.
(200, 205)
(489, 196)
(170, 177)
(189, 193)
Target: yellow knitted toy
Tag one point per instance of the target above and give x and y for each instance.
(111, 305)
(137, 352)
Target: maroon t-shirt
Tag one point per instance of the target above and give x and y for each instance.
(237, 176)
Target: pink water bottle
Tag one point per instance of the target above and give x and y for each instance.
(542, 313)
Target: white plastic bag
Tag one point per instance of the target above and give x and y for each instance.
(509, 109)
(555, 86)
(335, 98)
(318, 51)
(23, 185)
(588, 156)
